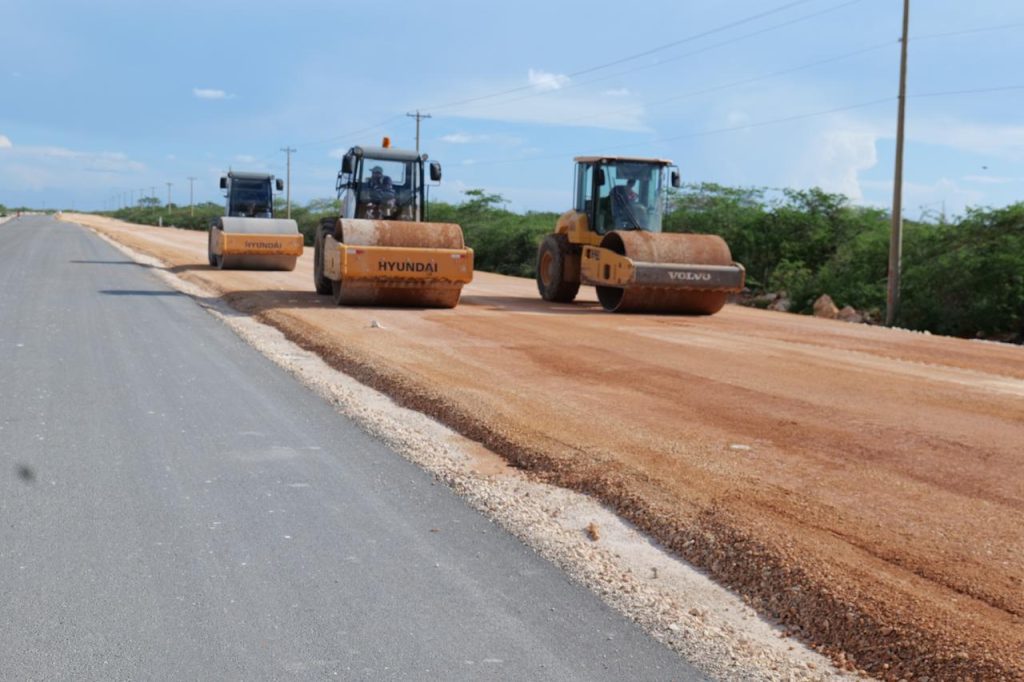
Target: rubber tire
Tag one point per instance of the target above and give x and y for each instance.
(552, 255)
(321, 283)
(210, 255)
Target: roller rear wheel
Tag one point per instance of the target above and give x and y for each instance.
(210, 255)
(322, 284)
(557, 262)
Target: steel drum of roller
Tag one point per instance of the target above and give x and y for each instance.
(270, 227)
(654, 255)
(394, 290)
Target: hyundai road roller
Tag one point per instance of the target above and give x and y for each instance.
(382, 250)
(248, 236)
(612, 239)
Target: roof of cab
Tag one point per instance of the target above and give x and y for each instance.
(636, 159)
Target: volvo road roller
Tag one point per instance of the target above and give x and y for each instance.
(249, 236)
(612, 239)
(382, 250)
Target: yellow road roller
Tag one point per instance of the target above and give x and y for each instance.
(612, 239)
(382, 250)
(248, 236)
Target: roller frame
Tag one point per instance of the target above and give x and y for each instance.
(603, 267)
(246, 244)
(396, 266)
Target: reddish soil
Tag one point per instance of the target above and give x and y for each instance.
(863, 486)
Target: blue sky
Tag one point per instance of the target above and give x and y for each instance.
(104, 97)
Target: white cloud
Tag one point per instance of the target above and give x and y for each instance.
(577, 110)
(542, 80)
(1006, 141)
(5, 142)
(942, 197)
(461, 138)
(551, 101)
(737, 118)
(927, 201)
(245, 158)
(49, 168)
(835, 159)
(993, 180)
(210, 93)
(618, 92)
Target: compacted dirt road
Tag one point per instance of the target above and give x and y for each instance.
(864, 486)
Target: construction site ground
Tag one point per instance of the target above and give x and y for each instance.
(862, 486)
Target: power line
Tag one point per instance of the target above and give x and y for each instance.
(975, 91)
(631, 57)
(675, 58)
(350, 134)
(704, 133)
(746, 81)
(696, 36)
(615, 62)
(761, 124)
(969, 31)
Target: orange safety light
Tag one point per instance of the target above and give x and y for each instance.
(386, 142)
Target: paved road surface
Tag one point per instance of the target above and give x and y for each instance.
(174, 506)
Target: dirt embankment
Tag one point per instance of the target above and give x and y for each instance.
(862, 485)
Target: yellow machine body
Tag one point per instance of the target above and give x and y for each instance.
(640, 271)
(401, 263)
(240, 244)
(255, 243)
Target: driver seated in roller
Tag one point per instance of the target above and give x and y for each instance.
(380, 192)
(380, 186)
(625, 210)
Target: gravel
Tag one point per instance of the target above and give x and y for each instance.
(671, 600)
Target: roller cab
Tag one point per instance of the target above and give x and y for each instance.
(612, 240)
(249, 236)
(382, 251)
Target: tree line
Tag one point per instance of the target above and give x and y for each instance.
(963, 277)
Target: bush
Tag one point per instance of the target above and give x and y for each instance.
(964, 278)
(502, 241)
(967, 278)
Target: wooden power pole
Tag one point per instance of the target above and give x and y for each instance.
(892, 302)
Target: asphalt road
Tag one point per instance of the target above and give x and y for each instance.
(173, 505)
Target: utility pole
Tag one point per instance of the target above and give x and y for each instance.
(169, 184)
(892, 302)
(288, 189)
(191, 207)
(152, 192)
(418, 116)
